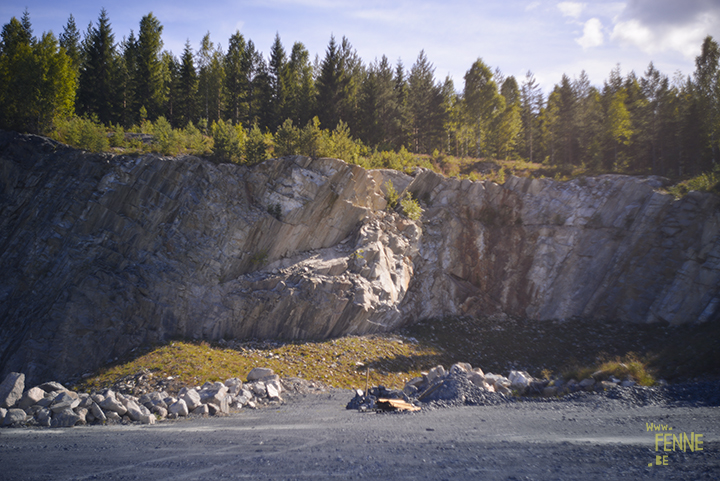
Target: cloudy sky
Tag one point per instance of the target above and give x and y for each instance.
(547, 37)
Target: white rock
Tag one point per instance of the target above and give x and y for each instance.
(272, 391)
(259, 373)
(160, 411)
(192, 399)
(477, 378)
(52, 386)
(627, 383)
(214, 394)
(179, 408)
(65, 400)
(11, 389)
(13, 416)
(460, 367)
(3, 412)
(258, 388)
(435, 373)
(110, 403)
(201, 410)
(31, 397)
(133, 409)
(98, 413)
(43, 417)
(234, 385)
(65, 419)
(519, 380)
(113, 416)
(82, 413)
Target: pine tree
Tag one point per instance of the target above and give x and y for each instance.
(237, 83)
(509, 121)
(211, 79)
(37, 82)
(618, 124)
(97, 86)
(301, 86)
(426, 106)
(70, 41)
(531, 102)
(279, 83)
(378, 105)
(186, 103)
(148, 74)
(127, 80)
(707, 82)
(330, 85)
(171, 83)
(482, 102)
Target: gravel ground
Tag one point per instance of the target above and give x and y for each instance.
(313, 436)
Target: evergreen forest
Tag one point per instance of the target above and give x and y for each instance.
(237, 104)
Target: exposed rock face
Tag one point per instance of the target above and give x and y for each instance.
(609, 246)
(103, 253)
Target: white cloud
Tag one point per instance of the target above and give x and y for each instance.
(532, 6)
(667, 25)
(571, 9)
(592, 34)
(685, 39)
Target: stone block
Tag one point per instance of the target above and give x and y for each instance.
(31, 397)
(259, 373)
(192, 399)
(44, 417)
(11, 389)
(14, 416)
(65, 419)
(110, 403)
(65, 400)
(179, 408)
(98, 413)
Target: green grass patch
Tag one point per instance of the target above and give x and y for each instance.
(341, 363)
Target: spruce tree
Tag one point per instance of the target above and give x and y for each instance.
(186, 102)
(98, 82)
(70, 41)
(236, 78)
(149, 68)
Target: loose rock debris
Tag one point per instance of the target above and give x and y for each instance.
(464, 385)
(53, 405)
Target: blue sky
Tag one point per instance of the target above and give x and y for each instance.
(547, 37)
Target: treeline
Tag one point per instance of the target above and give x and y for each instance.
(646, 124)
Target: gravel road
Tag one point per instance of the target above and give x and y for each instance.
(315, 437)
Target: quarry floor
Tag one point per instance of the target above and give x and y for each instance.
(313, 436)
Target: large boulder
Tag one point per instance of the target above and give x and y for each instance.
(11, 389)
(179, 408)
(14, 416)
(30, 397)
(191, 397)
(66, 418)
(258, 373)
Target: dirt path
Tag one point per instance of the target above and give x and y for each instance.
(314, 437)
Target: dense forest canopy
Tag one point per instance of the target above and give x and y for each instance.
(637, 123)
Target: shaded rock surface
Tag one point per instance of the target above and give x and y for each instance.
(104, 253)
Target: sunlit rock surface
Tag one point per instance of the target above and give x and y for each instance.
(101, 254)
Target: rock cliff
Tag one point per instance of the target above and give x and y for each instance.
(101, 253)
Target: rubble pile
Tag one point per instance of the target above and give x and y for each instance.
(52, 404)
(464, 385)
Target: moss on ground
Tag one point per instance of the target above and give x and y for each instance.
(573, 348)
